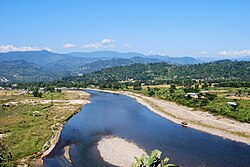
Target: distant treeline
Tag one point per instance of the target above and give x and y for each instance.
(225, 70)
(224, 73)
(233, 84)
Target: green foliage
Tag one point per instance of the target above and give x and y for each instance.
(21, 70)
(210, 96)
(49, 89)
(233, 84)
(172, 86)
(5, 154)
(159, 73)
(36, 93)
(154, 160)
(137, 86)
(151, 93)
(212, 102)
(172, 89)
(26, 134)
(191, 90)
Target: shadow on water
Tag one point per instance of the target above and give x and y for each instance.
(119, 115)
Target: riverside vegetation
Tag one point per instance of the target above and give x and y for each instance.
(216, 84)
(27, 122)
(212, 99)
(154, 160)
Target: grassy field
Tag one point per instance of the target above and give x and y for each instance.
(214, 100)
(25, 123)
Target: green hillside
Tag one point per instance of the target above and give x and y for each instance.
(225, 70)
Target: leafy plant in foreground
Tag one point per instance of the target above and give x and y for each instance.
(154, 160)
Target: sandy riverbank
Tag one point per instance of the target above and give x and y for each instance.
(200, 120)
(118, 151)
(66, 153)
(81, 97)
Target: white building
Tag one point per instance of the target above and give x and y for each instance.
(193, 95)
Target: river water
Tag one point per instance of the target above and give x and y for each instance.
(119, 115)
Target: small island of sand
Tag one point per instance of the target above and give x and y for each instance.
(118, 151)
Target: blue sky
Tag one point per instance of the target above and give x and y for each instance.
(213, 28)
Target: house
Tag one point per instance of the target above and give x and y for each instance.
(41, 90)
(233, 104)
(14, 85)
(193, 95)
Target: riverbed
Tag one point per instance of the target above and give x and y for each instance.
(119, 115)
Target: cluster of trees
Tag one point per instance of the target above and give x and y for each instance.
(179, 95)
(206, 101)
(233, 84)
(118, 85)
(23, 71)
(36, 93)
(163, 73)
(226, 73)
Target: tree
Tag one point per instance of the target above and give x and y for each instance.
(36, 93)
(172, 86)
(196, 86)
(172, 89)
(115, 85)
(204, 86)
(210, 96)
(151, 93)
(102, 86)
(137, 86)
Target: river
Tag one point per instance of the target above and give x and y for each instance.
(120, 115)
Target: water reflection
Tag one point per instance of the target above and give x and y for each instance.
(122, 116)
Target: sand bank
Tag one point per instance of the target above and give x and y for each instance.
(66, 153)
(200, 120)
(118, 151)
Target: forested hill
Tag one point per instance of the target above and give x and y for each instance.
(219, 70)
(20, 70)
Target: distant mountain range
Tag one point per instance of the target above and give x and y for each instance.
(37, 57)
(102, 64)
(45, 65)
(112, 54)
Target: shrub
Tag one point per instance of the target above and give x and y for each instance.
(154, 160)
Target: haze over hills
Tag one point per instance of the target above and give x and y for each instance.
(113, 54)
(45, 57)
(38, 57)
(102, 64)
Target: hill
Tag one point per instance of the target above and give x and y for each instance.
(112, 54)
(37, 57)
(115, 62)
(219, 70)
(106, 54)
(20, 70)
(50, 66)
